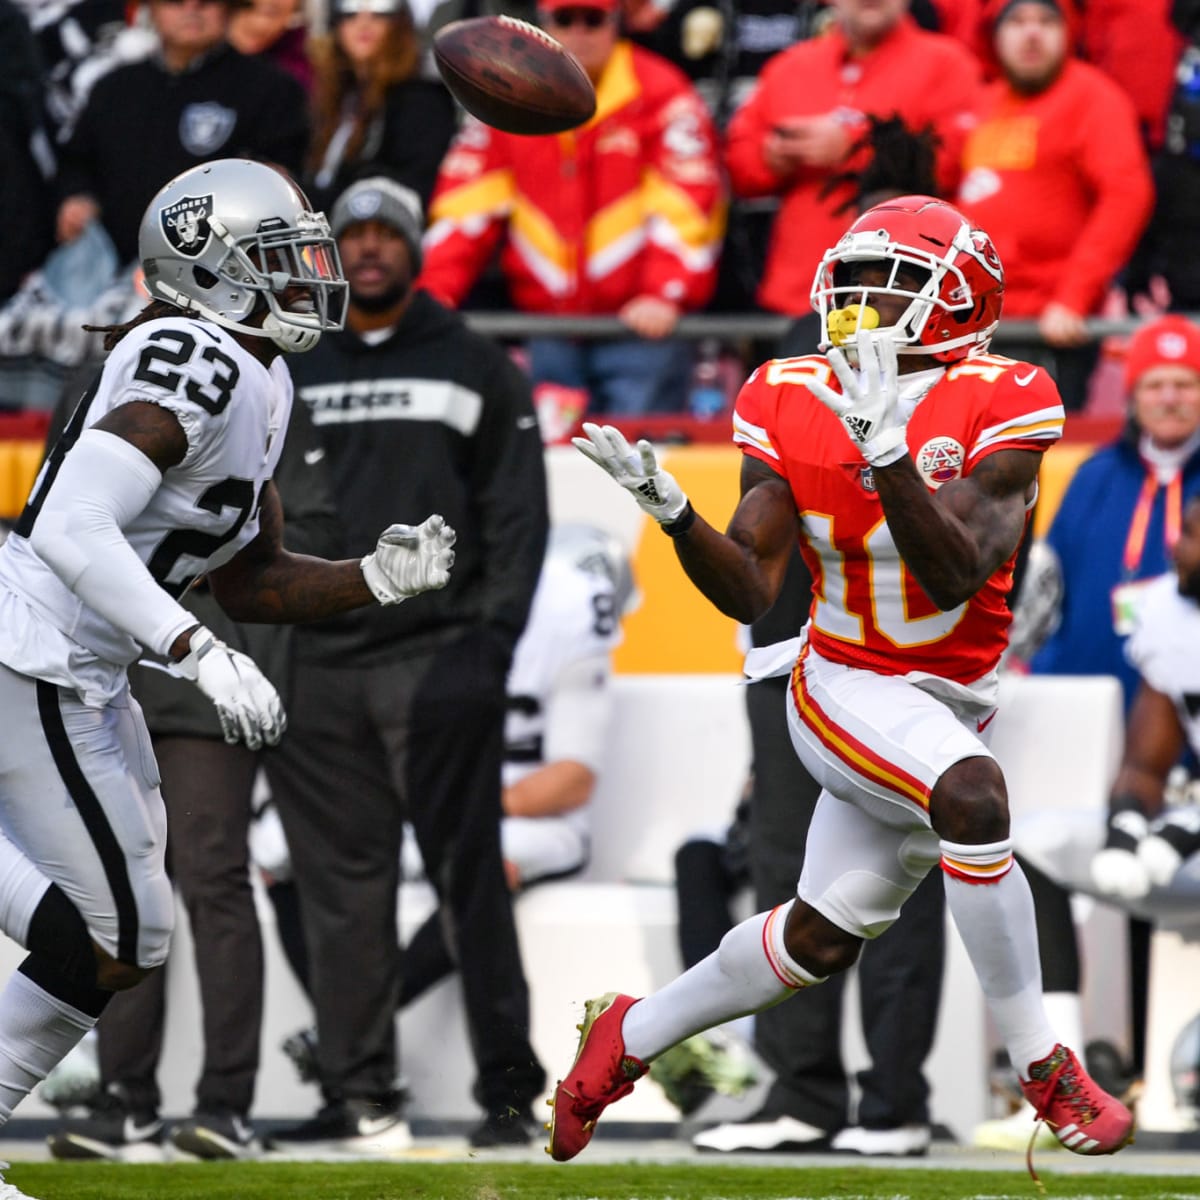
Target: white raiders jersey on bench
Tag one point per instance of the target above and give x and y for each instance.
(573, 623)
(234, 412)
(1165, 649)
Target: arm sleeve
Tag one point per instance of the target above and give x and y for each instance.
(102, 485)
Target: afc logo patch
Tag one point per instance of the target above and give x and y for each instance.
(185, 224)
(940, 460)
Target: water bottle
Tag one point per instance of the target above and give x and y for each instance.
(707, 397)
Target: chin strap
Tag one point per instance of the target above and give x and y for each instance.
(289, 338)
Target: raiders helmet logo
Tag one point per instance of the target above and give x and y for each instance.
(940, 460)
(185, 224)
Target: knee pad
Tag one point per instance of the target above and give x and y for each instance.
(861, 902)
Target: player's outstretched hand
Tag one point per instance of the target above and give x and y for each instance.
(635, 469)
(247, 704)
(409, 560)
(869, 402)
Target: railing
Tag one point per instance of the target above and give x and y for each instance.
(736, 326)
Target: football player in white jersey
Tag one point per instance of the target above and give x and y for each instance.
(559, 702)
(162, 474)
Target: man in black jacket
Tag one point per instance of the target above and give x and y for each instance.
(194, 100)
(402, 717)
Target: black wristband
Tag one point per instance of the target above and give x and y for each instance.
(681, 524)
(1126, 824)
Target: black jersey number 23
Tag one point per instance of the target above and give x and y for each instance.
(170, 348)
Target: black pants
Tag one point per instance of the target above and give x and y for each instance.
(900, 973)
(207, 789)
(422, 738)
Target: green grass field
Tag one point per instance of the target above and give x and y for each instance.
(525, 1181)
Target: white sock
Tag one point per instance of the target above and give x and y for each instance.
(37, 1031)
(992, 906)
(749, 971)
(1064, 1011)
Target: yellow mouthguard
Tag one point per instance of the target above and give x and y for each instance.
(844, 323)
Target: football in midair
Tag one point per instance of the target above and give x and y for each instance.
(513, 75)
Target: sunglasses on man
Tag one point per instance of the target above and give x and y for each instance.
(589, 18)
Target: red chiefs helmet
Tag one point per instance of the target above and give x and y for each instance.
(956, 308)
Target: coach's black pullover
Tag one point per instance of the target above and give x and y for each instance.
(436, 419)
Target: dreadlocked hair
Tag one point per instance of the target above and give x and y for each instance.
(152, 312)
(902, 162)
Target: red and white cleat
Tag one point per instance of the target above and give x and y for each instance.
(601, 1073)
(1084, 1117)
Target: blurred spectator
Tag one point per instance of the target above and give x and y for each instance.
(1055, 170)
(400, 716)
(811, 107)
(276, 30)
(207, 786)
(372, 111)
(1120, 516)
(622, 217)
(1135, 43)
(81, 40)
(1165, 271)
(26, 162)
(195, 100)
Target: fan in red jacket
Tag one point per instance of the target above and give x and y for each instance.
(1056, 172)
(810, 106)
(621, 217)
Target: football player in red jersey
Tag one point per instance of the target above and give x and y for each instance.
(905, 461)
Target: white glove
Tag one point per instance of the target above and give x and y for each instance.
(247, 704)
(1120, 873)
(869, 404)
(1117, 870)
(409, 560)
(1160, 860)
(637, 471)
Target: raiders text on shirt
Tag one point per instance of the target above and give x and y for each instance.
(394, 400)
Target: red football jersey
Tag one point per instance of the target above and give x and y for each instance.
(868, 611)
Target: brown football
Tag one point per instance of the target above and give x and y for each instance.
(513, 75)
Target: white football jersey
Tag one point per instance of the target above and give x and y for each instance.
(558, 682)
(1165, 649)
(234, 412)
